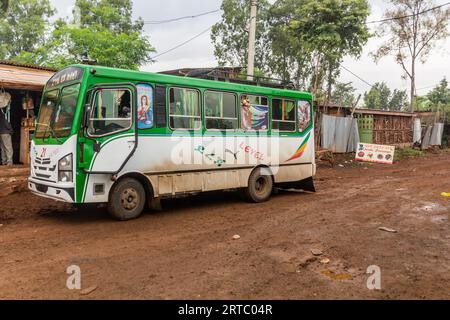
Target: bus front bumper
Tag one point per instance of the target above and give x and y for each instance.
(51, 191)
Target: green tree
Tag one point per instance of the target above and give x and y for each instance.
(105, 30)
(382, 98)
(4, 4)
(440, 94)
(331, 29)
(289, 59)
(343, 94)
(378, 97)
(300, 41)
(23, 30)
(230, 35)
(398, 100)
(422, 103)
(439, 98)
(413, 29)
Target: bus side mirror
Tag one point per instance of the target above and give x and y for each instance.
(87, 114)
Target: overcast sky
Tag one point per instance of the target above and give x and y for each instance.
(200, 53)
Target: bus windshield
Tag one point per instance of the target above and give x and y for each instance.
(57, 112)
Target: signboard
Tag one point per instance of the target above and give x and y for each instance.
(375, 153)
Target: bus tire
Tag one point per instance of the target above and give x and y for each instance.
(127, 200)
(260, 186)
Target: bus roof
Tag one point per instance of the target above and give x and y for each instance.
(137, 76)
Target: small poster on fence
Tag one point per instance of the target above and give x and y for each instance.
(375, 153)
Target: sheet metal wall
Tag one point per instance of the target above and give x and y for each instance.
(338, 134)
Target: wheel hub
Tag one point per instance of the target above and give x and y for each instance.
(129, 199)
(260, 185)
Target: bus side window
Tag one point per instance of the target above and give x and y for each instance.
(220, 111)
(160, 107)
(184, 109)
(111, 112)
(283, 115)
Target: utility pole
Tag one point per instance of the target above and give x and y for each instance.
(251, 41)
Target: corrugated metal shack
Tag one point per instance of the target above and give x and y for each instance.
(375, 126)
(429, 118)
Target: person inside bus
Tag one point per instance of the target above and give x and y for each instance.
(108, 119)
(124, 106)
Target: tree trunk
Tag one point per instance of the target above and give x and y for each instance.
(413, 83)
(330, 83)
(316, 78)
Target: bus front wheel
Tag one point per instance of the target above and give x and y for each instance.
(127, 200)
(260, 186)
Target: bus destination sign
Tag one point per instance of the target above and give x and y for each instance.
(66, 75)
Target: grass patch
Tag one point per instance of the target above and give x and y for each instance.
(407, 153)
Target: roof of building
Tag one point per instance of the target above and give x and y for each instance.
(369, 111)
(26, 65)
(385, 113)
(21, 76)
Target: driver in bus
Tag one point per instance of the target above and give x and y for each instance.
(124, 106)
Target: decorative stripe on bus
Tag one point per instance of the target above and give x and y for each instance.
(157, 173)
(301, 149)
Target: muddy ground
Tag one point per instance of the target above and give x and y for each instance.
(187, 251)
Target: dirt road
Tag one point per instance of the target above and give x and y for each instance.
(187, 251)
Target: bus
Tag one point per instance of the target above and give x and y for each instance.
(128, 139)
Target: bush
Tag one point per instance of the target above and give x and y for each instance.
(408, 153)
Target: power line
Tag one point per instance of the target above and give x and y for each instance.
(183, 43)
(370, 85)
(180, 18)
(428, 87)
(408, 16)
(354, 74)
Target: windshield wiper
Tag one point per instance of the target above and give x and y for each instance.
(53, 133)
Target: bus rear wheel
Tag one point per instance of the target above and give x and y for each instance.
(260, 186)
(127, 200)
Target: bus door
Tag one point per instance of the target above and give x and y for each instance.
(110, 137)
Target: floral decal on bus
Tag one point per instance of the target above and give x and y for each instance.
(218, 161)
(301, 150)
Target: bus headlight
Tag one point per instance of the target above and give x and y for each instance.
(65, 169)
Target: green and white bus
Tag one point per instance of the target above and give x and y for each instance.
(129, 139)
